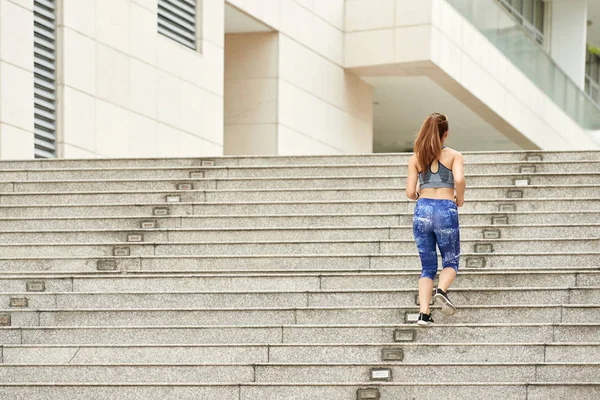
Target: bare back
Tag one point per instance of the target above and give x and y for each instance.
(452, 160)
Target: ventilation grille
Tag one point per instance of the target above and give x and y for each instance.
(44, 66)
(177, 20)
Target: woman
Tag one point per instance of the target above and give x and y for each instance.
(439, 170)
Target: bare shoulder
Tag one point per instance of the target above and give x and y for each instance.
(455, 154)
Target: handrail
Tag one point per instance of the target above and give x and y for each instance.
(595, 86)
(530, 28)
(501, 28)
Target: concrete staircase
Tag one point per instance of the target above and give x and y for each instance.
(294, 278)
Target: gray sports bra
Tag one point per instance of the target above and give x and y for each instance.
(443, 178)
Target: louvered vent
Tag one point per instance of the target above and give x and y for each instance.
(177, 20)
(44, 12)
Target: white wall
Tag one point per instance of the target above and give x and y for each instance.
(569, 37)
(322, 109)
(130, 92)
(251, 83)
(16, 79)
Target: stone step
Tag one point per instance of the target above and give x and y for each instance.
(449, 333)
(280, 280)
(251, 216)
(173, 263)
(529, 313)
(299, 353)
(305, 373)
(397, 223)
(500, 193)
(298, 170)
(414, 373)
(366, 181)
(290, 390)
(381, 247)
(500, 156)
(15, 215)
(294, 299)
(467, 232)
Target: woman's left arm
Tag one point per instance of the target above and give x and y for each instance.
(412, 179)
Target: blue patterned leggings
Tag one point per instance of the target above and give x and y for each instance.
(436, 222)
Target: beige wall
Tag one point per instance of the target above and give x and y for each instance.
(251, 83)
(131, 92)
(321, 108)
(16, 79)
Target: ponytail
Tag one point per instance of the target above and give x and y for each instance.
(428, 145)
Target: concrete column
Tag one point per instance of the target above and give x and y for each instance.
(568, 36)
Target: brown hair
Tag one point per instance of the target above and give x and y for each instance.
(428, 145)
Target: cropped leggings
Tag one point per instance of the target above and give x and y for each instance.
(435, 222)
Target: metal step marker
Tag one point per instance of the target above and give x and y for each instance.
(185, 186)
(475, 262)
(515, 194)
(368, 394)
(208, 163)
(4, 319)
(381, 374)
(417, 302)
(135, 237)
(500, 220)
(35, 286)
(19, 302)
(410, 317)
(507, 207)
(196, 174)
(173, 198)
(522, 182)
(106, 265)
(533, 157)
(527, 169)
(484, 248)
(121, 251)
(492, 234)
(148, 224)
(394, 354)
(404, 335)
(161, 211)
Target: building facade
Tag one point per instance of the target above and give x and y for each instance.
(178, 78)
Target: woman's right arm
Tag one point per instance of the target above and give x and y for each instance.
(459, 178)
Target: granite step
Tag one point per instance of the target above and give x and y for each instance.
(271, 170)
(294, 299)
(171, 263)
(468, 232)
(277, 195)
(290, 390)
(13, 214)
(373, 247)
(280, 216)
(301, 353)
(222, 334)
(255, 281)
(305, 373)
(366, 181)
(347, 314)
(497, 156)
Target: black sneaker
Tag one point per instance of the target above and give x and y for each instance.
(441, 297)
(424, 319)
